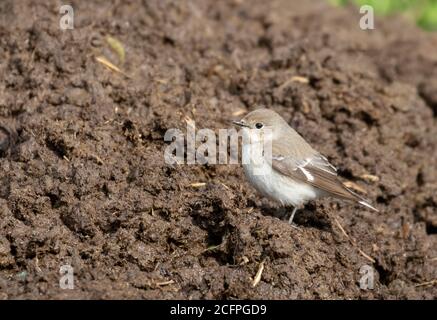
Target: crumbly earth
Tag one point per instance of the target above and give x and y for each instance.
(83, 180)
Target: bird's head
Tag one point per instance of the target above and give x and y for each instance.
(263, 120)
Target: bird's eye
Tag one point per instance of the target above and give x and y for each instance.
(259, 125)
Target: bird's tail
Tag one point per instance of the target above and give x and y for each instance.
(360, 199)
(366, 204)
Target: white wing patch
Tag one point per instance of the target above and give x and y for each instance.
(279, 158)
(327, 163)
(307, 174)
(320, 162)
(317, 161)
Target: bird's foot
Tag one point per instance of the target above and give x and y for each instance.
(290, 219)
(294, 226)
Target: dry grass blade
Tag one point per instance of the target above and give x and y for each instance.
(212, 248)
(110, 65)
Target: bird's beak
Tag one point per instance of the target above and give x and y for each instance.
(241, 124)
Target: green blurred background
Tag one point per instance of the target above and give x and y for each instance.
(423, 12)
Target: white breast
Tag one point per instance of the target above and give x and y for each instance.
(273, 184)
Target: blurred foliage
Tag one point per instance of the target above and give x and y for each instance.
(424, 12)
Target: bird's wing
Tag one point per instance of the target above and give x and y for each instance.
(316, 171)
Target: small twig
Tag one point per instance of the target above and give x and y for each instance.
(165, 283)
(258, 275)
(369, 177)
(197, 184)
(97, 158)
(244, 260)
(294, 79)
(38, 269)
(427, 283)
(353, 242)
(225, 186)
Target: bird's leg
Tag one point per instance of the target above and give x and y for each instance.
(290, 220)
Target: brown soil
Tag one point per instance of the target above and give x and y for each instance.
(83, 179)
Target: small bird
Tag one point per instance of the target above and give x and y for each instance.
(295, 172)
